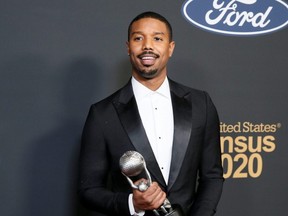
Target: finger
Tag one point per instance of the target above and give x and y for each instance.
(158, 200)
(154, 189)
(155, 199)
(150, 199)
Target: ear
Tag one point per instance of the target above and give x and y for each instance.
(171, 48)
(128, 47)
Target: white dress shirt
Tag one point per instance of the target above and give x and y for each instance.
(156, 112)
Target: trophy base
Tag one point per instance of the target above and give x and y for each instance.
(177, 211)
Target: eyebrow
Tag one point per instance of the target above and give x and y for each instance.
(140, 32)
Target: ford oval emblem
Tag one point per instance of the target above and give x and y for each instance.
(237, 17)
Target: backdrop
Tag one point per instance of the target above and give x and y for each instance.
(57, 57)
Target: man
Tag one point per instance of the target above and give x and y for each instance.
(174, 127)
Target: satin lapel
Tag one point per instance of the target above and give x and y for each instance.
(131, 121)
(182, 130)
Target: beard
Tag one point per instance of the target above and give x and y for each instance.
(148, 74)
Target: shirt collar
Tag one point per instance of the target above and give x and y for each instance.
(141, 91)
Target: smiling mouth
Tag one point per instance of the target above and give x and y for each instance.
(148, 58)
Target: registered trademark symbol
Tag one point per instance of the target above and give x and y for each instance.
(279, 125)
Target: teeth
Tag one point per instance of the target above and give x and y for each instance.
(147, 58)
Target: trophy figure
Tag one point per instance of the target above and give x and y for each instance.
(132, 164)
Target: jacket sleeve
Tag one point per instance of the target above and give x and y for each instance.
(94, 168)
(210, 171)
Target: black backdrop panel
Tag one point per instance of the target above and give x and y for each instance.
(58, 57)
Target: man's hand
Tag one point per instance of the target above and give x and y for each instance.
(150, 199)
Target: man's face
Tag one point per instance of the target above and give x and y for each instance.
(149, 48)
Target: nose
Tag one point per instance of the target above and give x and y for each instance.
(147, 45)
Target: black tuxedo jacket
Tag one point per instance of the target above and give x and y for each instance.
(114, 126)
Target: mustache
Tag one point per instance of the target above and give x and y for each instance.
(150, 53)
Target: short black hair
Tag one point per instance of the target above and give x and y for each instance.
(150, 14)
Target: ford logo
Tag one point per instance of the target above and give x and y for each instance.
(237, 17)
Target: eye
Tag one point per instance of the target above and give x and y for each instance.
(138, 38)
(158, 39)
